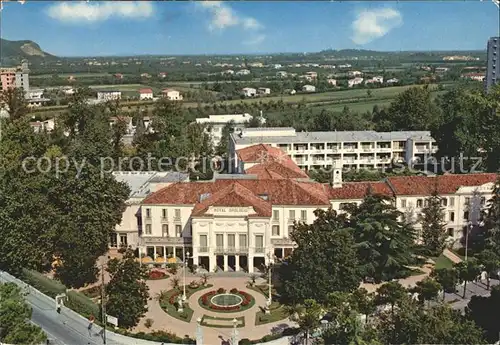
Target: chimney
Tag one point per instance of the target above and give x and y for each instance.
(336, 176)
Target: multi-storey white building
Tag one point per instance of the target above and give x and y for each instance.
(237, 222)
(108, 95)
(215, 124)
(352, 149)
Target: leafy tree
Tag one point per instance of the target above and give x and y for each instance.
(436, 325)
(428, 289)
(127, 292)
(433, 225)
(492, 220)
(324, 260)
(484, 312)
(447, 278)
(363, 301)
(309, 315)
(490, 262)
(392, 293)
(223, 148)
(385, 244)
(14, 318)
(14, 101)
(467, 271)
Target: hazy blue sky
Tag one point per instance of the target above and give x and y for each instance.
(79, 28)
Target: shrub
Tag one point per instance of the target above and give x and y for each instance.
(148, 323)
(49, 287)
(93, 292)
(81, 304)
(234, 290)
(154, 274)
(194, 285)
(173, 268)
(245, 341)
(221, 290)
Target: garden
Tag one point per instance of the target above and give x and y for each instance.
(157, 275)
(170, 301)
(226, 302)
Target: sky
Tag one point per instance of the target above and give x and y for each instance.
(80, 28)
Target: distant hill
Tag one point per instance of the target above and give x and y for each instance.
(14, 51)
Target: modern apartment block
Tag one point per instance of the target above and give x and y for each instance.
(493, 66)
(349, 149)
(238, 222)
(215, 124)
(15, 77)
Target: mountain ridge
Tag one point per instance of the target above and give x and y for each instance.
(23, 49)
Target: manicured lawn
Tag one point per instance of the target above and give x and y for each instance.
(227, 322)
(278, 312)
(171, 309)
(242, 307)
(442, 262)
(262, 289)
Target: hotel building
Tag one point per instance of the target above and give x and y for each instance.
(349, 149)
(237, 222)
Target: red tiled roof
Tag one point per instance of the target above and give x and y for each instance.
(145, 91)
(275, 170)
(358, 190)
(446, 184)
(280, 192)
(260, 153)
(234, 195)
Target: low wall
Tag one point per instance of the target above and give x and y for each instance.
(121, 339)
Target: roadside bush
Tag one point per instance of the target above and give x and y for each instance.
(45, 285)
(245, 341)
(81, 304)
(92, 292)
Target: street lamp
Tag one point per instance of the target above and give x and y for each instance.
(468, 228)
(234, 340)
(186, 257)
(199, 332)
(270, 273)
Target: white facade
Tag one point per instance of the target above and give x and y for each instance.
(264, 91)
(145, 94)
(108, 95)
(243, 72)
(249, 92)
(332, 82)
(355, 81)
(392, 81)
(309, 88)
(215, 124)
(281, 74)
(354, 73)
(353, 149)
(172, 95)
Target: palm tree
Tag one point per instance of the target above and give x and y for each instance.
(175, 283)
(204, 278)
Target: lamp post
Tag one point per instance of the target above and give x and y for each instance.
(186, 257)
(234, 340)
(199, 332)
(468, 228)
(270, 273)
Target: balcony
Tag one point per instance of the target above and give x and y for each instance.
(202, 249)
(350, 149)
(367, 148)
(160, 240)
(259, 250)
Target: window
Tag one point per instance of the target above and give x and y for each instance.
(231, 240)
(466, 215)
(444, 202)
(467, 201)
(219, 240)
(452, 201)
(164, 213)
(426, 203)
(483, 200)
(148, 213)
(344, 205)
(113, 240)
(203, 244)
(450, 232)
(243, 241)
(259, 243)
(276, 215)
(303, 215)
(177, 214)
(452, 216)
(178, 230)
(291, 215)
(123, 240)
(419, 203)
(403, 203)
(148, 229)
(276, 230)
(164, 230)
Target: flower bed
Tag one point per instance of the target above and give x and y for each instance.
(247, 301)
(168, 302)
(156, 275)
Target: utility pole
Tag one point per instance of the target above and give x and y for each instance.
(103, 307)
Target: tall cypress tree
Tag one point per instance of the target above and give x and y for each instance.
(433, 225)
(492, 220)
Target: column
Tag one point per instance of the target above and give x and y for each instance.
(236, 263)
(174, 251)
(226, 266)
(165, 253)
(154, 252)
(250, 263)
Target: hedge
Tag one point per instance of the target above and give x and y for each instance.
(47, 286)
(82, 304)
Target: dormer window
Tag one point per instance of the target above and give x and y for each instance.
(264, 196)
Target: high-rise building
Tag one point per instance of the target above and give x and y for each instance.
(15, 77)
(492, 67)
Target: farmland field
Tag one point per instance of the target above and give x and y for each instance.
(76, 75)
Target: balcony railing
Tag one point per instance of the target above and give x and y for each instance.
(259, 250)
(231, 250)
(202, 249)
